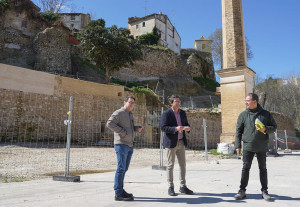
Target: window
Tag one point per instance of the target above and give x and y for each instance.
(144, 24)
(72, 17)
(24, 24)
(72, 25)
(203, 46)
(137, 26)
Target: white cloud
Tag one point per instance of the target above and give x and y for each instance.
(65, 9)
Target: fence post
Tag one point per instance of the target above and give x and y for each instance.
(205, 139)
(66, 176)
(276, 140)
(286, 144)
(161, 153)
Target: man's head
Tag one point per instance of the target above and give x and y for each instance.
(174, 102)
(129, 102)
(251, 101)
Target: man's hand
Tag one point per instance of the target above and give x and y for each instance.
(187, 128)
(238, 150)
(263, 130)
(179, 128)
(140, 129)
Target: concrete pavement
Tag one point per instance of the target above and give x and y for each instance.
(214, 185)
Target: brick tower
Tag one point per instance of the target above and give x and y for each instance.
(237, 80)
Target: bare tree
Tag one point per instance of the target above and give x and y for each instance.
(217, 47)
(282, 96)
(53, 6)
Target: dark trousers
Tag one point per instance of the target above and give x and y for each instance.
(247, 162)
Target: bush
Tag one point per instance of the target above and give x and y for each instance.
(3, 5)
(207, 83)
(149, 38)
(52, 17)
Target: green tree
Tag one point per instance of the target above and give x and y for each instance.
(150, 38)
(217, 47)
(4, 4)
(109, 47)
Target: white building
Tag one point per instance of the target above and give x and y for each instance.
(203, 44)
(143, 25)
(76, 21)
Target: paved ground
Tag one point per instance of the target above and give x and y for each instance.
(214, 185)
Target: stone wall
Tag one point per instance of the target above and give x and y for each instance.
(25, 42)
(52, 49)
(158, 63)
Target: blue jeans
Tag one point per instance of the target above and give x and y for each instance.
(124, 154)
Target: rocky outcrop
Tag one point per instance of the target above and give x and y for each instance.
(158, 63)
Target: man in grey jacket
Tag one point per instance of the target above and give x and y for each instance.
(121, 123)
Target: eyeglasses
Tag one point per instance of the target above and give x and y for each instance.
(130, 102)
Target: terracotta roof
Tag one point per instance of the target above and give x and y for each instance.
(204, 38)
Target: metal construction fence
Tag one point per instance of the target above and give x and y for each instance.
(33, 134)
(281, 139)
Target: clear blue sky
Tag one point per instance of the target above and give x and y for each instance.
(271, 26)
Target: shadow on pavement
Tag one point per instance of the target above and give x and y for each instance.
(207, 198)
(214, 198)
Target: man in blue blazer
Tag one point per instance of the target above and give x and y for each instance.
(174, 123)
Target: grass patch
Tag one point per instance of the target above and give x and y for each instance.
(13, 180)
(214, 152)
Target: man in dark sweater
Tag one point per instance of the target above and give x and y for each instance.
(253, 128)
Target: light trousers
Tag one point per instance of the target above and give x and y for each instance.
(178, 151)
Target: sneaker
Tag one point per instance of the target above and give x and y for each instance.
(240, 195)
(127, 194)
(171, 191)
(266, 196)
(185, 190)
(123, 197)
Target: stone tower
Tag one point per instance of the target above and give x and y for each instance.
(237, 80)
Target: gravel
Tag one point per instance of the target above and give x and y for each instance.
(36, 163)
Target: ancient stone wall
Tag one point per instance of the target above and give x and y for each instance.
(53, 51)
(22, 32)
(158, 63)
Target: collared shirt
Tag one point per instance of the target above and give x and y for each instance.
(178, 119)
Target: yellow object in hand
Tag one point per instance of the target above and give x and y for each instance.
(259, 125)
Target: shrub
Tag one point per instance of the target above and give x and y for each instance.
(52, 17)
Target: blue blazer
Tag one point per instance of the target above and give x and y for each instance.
(168, 124)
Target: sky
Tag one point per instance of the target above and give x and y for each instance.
(272, 27)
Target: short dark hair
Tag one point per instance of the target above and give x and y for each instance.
(128, 97)
(171, 98)
(254, 97)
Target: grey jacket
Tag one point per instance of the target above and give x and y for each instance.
(122, 124)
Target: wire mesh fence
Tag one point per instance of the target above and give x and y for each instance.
(33, 134)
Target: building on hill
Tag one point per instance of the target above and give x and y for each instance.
(143, 25)
(77, 21)
(203, 44)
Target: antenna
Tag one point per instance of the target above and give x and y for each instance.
(146, 8)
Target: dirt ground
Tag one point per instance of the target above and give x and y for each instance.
(35, 163)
